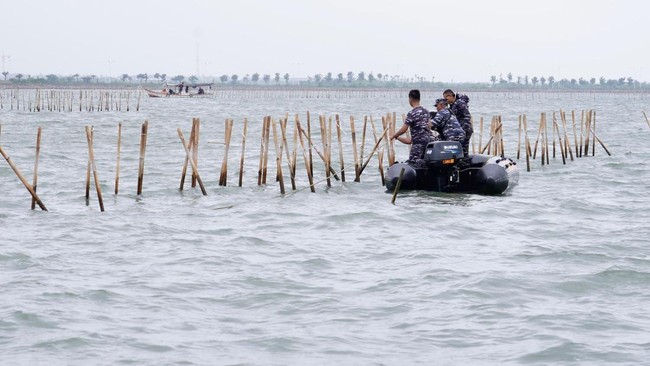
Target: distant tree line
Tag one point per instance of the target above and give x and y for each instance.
(348, 79)
(551, 83)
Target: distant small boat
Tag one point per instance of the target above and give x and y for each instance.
(183, 91)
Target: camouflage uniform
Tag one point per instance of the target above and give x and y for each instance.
(447, 127)
(418, 122)
(460, 110)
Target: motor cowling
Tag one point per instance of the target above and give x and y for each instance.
(443, 154)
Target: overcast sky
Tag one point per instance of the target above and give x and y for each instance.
(465, 40)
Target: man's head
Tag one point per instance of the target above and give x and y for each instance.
(414, 97)
(441, 103)
(449, 96)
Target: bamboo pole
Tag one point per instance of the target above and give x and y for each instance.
(487, 145)
(380, 153)
(304, 155)
(363, 137)
(36, 157)
(374, 149)
(527, 143)
(285, 145)
(397, 186)
(501, 143)
(312, 146)
(294, 153)
(267, 139)
(593, 132)
(259, 172)
(22, 179)
(91, 158)
(243, 150)
(539, 134)
(88, 168)
(278, 156)
(311, 160)
(480, 137)
(567, 142)
(600, 142)
(188, 155)
(575, 135)
(223, 178)
(338, 135)
(195, 146)
(587, 129)
(143, 148)
(559, 136)
(519, 139)
(117, 160)
(553, 133)
(353, 134)
(187, 161)
(329, 142)
(646, 118)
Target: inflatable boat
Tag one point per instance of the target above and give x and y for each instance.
(444, 168)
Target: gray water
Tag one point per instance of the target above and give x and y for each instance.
(556, 271)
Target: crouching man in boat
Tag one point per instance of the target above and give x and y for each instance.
(458, 107)
(446, 124)
(418, 121)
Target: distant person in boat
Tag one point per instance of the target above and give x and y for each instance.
(165, 92)
(417, 120)
(187, 89)
(458, 107)
(180, 87)
(446, 124)
(201, 91)
(171, 92)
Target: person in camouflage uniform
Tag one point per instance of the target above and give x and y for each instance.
(418, 121)
(458, 107)
(446, 124)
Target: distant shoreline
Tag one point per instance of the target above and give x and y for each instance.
(356, 89)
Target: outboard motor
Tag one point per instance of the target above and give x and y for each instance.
(441, 158)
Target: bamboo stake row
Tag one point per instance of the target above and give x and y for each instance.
(303, 141)
(90, 100)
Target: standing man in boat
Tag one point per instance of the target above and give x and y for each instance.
(458, 107)
(418, 121)
(446, 124)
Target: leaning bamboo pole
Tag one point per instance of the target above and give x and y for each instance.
(91, 158)
(188, 155)
(646, 118)
(380, 153)
(36, 157)
(374, 149)
(304, 155)
(285, 147)
(397, 186)
(187, 161)
(22, 179)
(600, 142)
